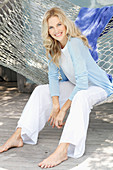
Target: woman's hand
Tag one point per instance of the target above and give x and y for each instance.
(58, 121)
(55, 111)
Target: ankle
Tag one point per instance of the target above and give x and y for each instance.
(18, 133)
(64, 147)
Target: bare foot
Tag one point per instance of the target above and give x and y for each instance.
(14, 141)
(56, 158)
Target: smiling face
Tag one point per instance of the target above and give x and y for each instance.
(57, 30)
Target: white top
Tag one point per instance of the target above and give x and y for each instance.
(67, 66)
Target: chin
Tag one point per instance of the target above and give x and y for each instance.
(59, 38)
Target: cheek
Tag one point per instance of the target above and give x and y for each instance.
(63, 29)
(51, 32)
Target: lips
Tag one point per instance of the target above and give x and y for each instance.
(58, 34)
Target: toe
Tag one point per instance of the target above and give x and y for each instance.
(43, 166)
(40, 164)
(2, 149)
(49, 166)
(46, 166)
(52, 165)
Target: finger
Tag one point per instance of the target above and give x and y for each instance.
(49, 118)
(53, 126)
(56, 124)
(60, 122)
(52, 119)
(63, 123)
(59, 126)
(53, 123)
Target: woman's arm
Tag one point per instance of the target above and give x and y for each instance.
(53, 77)
(54, 89)
(78, 52)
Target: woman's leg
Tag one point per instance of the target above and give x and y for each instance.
(73, 138)
(75, 130)
(35, 115)
(58, 156)
(14, 141)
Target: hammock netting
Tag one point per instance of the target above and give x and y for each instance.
(21, 47)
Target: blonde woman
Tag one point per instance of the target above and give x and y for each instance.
(83, 84)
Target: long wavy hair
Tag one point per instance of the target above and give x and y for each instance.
(53, 46)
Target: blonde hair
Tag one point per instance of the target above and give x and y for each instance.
(53, 46)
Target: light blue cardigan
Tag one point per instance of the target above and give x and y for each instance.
(85, 69)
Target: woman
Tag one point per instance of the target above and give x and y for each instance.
(83, 84)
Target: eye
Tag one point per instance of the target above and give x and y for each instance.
(50, 27)
(59, 24)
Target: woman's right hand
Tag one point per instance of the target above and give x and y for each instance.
(55, 111)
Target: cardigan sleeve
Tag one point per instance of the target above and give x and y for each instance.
(53, 77)
(78, 51)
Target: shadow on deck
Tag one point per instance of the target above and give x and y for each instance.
(99, 144)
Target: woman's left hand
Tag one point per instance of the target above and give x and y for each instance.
(58, 122)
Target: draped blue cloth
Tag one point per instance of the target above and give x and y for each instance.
(91, 22)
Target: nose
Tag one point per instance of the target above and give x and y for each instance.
(56, 30)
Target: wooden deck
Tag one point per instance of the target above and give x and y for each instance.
(99, 144)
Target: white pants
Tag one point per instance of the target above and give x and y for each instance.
(38, 109)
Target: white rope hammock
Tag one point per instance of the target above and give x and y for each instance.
(21, 47)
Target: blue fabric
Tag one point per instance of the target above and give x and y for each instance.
(85, 69)
(91, 22)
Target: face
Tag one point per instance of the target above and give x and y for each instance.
(57, 30)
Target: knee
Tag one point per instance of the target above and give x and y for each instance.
(81, 95)
(42, 89)
(38, 88)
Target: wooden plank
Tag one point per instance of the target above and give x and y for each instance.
(99, 143)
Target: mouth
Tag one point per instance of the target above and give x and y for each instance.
(58, 34)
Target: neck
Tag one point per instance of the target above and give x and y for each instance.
(64, 42)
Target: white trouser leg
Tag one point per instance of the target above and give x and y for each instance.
(38, 109)
(75, 129)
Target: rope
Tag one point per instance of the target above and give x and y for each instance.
(21, 47)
